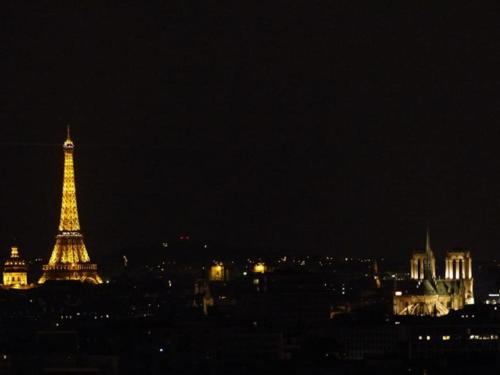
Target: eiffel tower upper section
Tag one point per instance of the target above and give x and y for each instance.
(69, 210)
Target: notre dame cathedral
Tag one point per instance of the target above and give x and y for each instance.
(425, 294)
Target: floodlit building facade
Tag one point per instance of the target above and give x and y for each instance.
(425, 294)
(15, 271)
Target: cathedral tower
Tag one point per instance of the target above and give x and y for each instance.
(423, 264)
(69, 259)
(458, 266)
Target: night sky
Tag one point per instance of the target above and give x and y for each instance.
(316, 127)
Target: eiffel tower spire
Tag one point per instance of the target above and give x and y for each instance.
(70, 259)
(69, 210)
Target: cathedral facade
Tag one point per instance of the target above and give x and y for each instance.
(424, 294)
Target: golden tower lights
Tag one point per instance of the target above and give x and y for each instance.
(69, 259)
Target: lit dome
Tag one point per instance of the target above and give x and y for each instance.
(14, 263)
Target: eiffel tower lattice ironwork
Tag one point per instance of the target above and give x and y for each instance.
(70, 259)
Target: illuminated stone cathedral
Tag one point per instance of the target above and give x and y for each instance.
(69, 259)
(425, 294)
(15, 271)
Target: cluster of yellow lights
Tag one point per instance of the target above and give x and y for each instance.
(259, 268)
(217, 272)
(70, 267)
(15, 279)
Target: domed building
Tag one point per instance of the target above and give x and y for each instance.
(15, 271)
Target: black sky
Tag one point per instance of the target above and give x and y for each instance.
(333, 127)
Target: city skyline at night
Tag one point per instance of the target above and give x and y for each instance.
(249, 188)
(330, 137)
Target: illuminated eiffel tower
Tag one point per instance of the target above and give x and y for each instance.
(69, 259)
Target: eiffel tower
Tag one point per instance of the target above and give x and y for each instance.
(69, 259)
